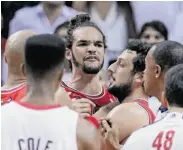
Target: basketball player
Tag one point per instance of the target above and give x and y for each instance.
(159, 59)
(167, 133)
(15, 87)
(85, 49)
(37, 121)
(134, 111)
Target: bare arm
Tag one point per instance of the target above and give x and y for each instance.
(128, 117)
(88, 136)
(103, 111)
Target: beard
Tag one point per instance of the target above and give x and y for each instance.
(87, 69)
(121, 91)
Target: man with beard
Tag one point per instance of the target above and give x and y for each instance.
(126, 84)
(166, 134)
(85, 49)
(33, 123)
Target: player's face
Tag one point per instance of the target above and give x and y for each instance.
(120, 72)
(151, 36)
(88, 50)
(149, 73)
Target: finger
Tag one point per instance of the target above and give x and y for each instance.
(106, 126)
(83, 100)
(84, 105)
(84, 110)
(84, 115)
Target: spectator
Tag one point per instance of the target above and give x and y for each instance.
(115, 19)
(177, 32)
(61, 30)
(42, 18)
(153, 32)
(166, 12)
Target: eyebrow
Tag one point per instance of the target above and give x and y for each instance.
(86, 41)
(121, 59)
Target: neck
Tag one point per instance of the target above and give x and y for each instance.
(136, 94)
(102, 8)
(159, 91)
(176, 109)
(40, 94)
(87, 83)
(14, 80)
(52, 12)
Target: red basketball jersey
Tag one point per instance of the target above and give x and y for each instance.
(143, 103)
(16, 93)
(100, 100)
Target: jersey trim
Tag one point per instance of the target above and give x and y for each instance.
(13, 89)
(36, 107)
(101, 94)
(147, 109)
(93, 120)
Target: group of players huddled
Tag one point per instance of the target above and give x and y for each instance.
(141, 109)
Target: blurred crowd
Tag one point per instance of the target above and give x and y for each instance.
(150, 21)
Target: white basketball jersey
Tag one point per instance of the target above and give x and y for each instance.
(166, 134)
(25, 128)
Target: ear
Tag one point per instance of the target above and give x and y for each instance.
(157, 71)
(164, 100)
(23, 70)
(139, 79)
(68, 54)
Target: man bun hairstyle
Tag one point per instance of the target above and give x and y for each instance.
(81, 20)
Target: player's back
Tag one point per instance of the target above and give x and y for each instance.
(166, 134)
(16, 93)
(33, 127)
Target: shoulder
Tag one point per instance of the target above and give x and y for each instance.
(21, 13)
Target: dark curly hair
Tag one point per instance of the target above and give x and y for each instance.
(81, 20)
(141, 49)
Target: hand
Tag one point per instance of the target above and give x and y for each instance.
(83, 106)
(110, 132)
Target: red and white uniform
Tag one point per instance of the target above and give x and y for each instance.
(15, 93)
(166, 134)
(100, 100)
(145, 105)
(26, 126)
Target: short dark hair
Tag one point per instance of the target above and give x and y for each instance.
(156, 25)
(64, 25)
(168, 54)
(43, 53)
(174, 85)
(141, 49)
(81, 20)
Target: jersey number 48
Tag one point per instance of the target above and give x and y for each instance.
(164, 140)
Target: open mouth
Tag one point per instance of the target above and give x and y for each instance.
(92, 58)
(112, 79)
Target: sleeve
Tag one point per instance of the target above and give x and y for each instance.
(16, 24)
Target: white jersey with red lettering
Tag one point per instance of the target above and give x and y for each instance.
(30, 127)
(166, 134)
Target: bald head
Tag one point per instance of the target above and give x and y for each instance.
(14, 51)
